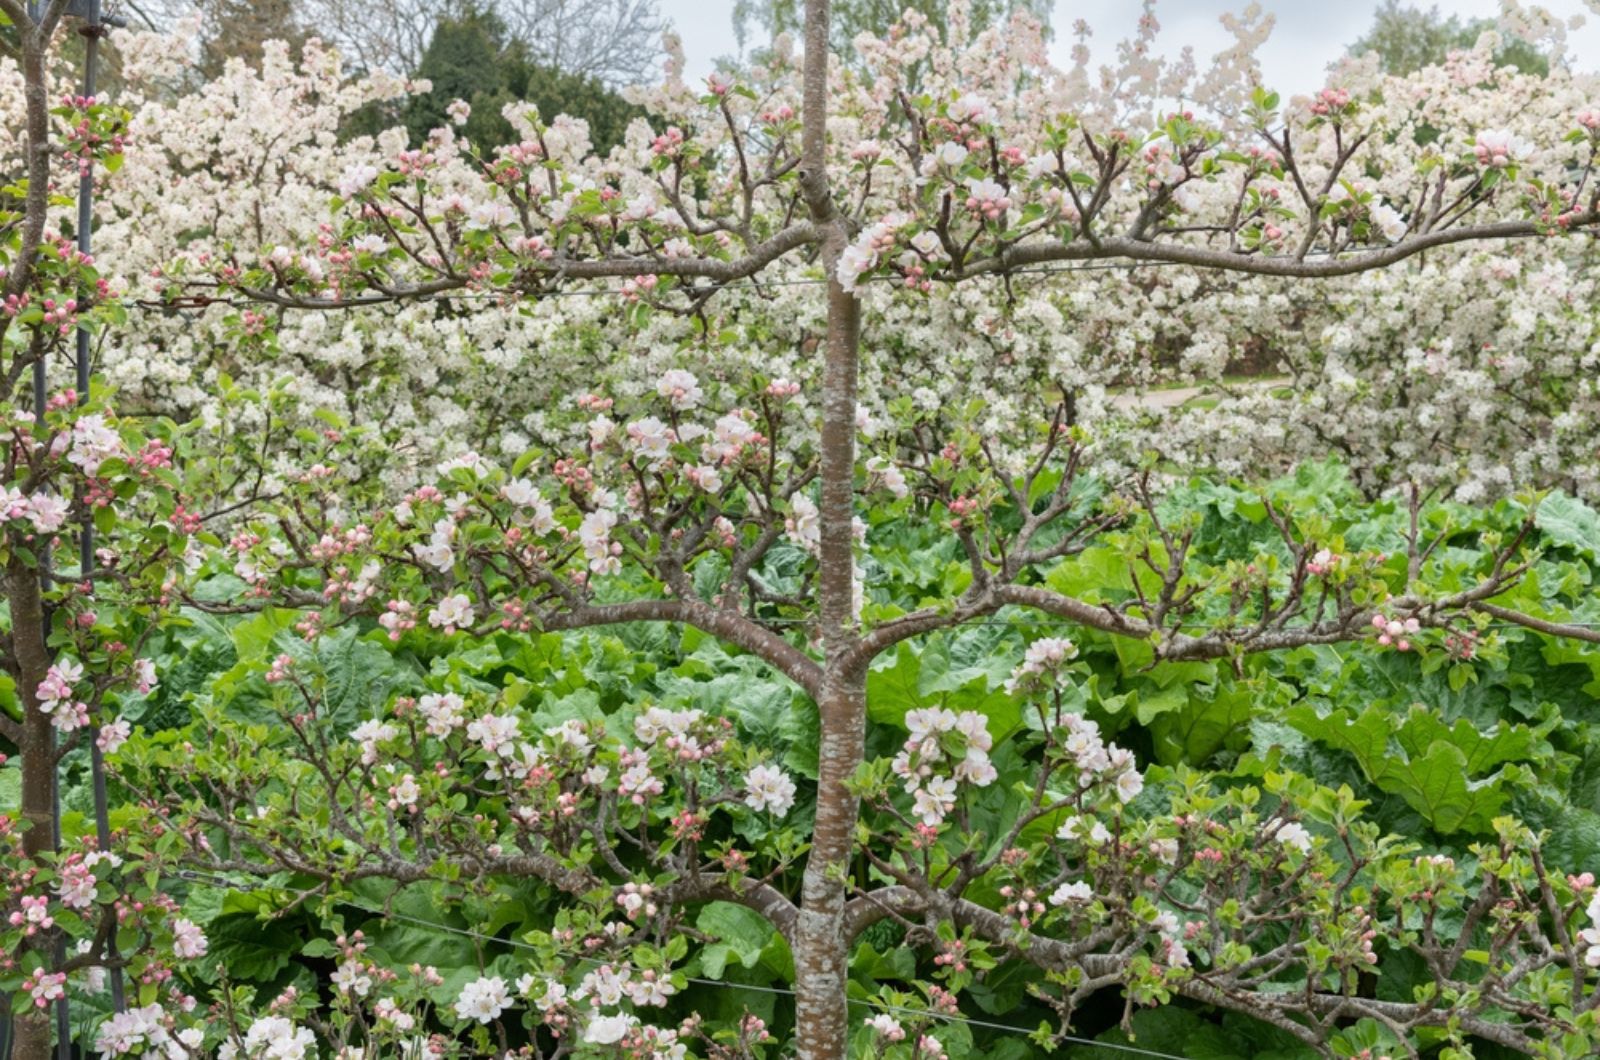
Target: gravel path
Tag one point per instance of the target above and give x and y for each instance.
(1160, 400)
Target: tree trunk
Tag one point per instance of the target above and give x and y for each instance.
(822, 950)
(29, 655)
(36, 205)
(822, 1018)
(32, 1025)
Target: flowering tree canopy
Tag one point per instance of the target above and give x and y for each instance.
(1470, 325)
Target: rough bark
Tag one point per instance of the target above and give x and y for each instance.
(821, 946)
(31, 660)
(35, 39)
(29, 654)
(822, 949)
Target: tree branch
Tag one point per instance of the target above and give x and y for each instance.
(730, 626)
(1024, 255)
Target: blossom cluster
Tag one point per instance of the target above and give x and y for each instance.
(943, 750)
(1041, 665)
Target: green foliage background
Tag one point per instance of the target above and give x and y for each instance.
(1439, 746)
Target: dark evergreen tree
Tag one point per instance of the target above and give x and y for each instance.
(471, 56)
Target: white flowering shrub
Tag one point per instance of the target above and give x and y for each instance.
(1469, 369)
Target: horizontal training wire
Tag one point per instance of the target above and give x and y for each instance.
(1014, 623)
(233, 885)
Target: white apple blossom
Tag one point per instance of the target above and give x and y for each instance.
(47, 512)
(271, 1038)
(356, 178)
(1069, 893)
(1294, 834)
(935, 800)
(1388, 221)
(483, 1000)
(495, 733)
(442, 711)
(349, 978)
(681, 389)
(454, 612)
(608, 1030)
(369, 734)
(804, 524)
(886, 1027)
(188, 941)
(951, 153)
(1499, 148)
(769, 789)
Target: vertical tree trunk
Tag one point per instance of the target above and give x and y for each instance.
(32, 659)
(822, 1018)
(29, 656)
(821, 951)
(36, 204)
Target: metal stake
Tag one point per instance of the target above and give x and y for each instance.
(102, 820)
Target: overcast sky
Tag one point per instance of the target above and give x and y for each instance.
(1308, 36)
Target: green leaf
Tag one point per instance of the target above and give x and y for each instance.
(583, 705)
(1152, 705)
(1208, 721)
(1001, 989)
(1177, 1032)
(360, 675)
(738, 935)
(893, 691)
(1429, 766)
(249, 942)
(1095, 575)
(253, 638)
(1570, 523)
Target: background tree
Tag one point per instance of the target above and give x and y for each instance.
(465, 59)
(390, 35)
(616, 42)
(237, 29)
(472, 56)
(759, 21)
(1406, 38)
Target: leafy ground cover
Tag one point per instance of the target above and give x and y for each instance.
(1443, 741)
